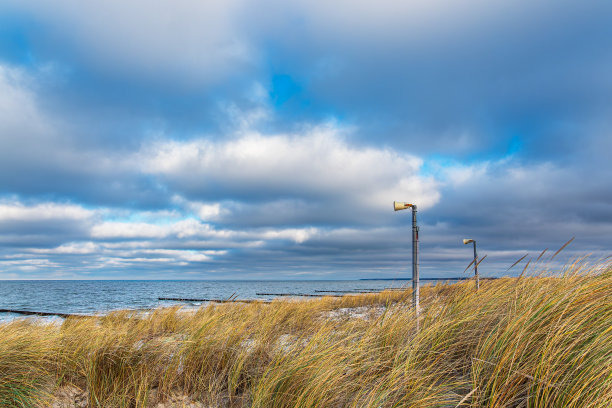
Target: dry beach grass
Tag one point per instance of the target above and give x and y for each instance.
(529, 341)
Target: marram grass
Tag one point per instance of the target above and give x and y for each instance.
(517, 342)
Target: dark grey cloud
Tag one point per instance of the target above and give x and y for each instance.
(490, 73)
(456, 80)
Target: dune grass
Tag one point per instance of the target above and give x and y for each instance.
(517, 342)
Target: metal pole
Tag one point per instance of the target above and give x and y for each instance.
(415, 263)
(476, 267)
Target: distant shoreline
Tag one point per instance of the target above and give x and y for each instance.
(424, 279)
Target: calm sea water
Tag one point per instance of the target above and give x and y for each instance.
(96, 296)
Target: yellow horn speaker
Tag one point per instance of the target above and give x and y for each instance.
(398, 205)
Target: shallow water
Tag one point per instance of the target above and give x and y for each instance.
(102, 296)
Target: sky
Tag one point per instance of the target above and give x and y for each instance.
(268, 139)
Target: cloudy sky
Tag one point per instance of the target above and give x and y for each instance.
(268, 139)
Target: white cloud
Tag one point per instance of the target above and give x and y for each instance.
(204, 211)
(127, 230)
(72, 248)
(15, 211)
(190, 228)
(188, 256)
(318, 165)
(298, 235)
(30, 265)
(170, 256)
(209, 211)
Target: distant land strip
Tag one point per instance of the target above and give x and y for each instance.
(425, 279)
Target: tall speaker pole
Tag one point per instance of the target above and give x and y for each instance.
(397, 206)
(415, 262)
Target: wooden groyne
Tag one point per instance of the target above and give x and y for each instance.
(338, 291)
(33, 313)
(212, 300)
(359, 290)
(293, 294)
(379, 290)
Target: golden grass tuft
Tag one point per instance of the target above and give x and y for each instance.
(517, 342)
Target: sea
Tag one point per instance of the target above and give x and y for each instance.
(102, 296)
